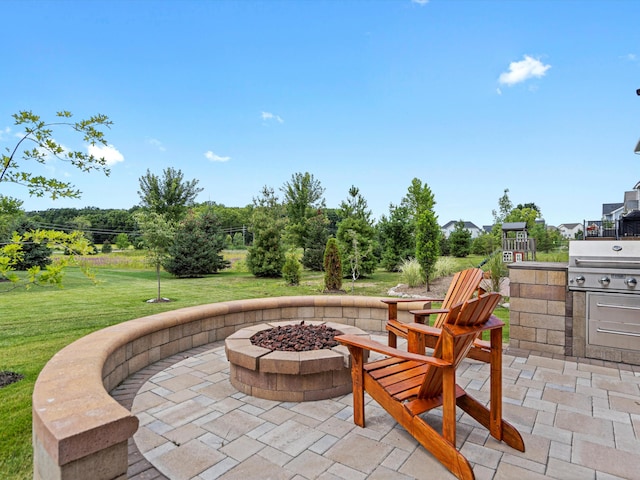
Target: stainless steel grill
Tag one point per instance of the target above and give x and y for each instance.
(608, 271)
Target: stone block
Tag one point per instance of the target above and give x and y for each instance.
(541, 335)
(518, 275)
(234, 319)
(138, 362)
(303, 383)
(547, 322)
(271, 314)
(556, 308)
(191, 328)
(267, 381)
(246, 355)
(543, 292)
(160, 337)
(555, 337)
(169, 349)
(141, 344)
(538, 347)
(522, 333)
(337, 391)
(280, 362)
(315, 361)
(278, 395)
(175, 333)
(332, 312)
(541, 277)
(556, 277)
(529, 305)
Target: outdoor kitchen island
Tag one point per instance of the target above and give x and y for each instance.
(588, 308)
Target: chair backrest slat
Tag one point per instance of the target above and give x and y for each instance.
(463, 285)
(472, 313)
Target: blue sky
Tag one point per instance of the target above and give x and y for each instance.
(471, 97)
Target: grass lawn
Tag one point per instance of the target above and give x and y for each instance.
(37, 322)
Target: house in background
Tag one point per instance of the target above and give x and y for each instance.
(611, 212)
(570, 230)
(618, 220)
(451, 226)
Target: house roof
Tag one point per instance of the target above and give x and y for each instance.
(608, 208)
(467, 225)
(570, 226)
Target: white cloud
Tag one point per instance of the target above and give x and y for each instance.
(4, 134)
(523, 70)
(156, 143)
(420, 2)
(216, 158)
(268, 116)
(108, 152)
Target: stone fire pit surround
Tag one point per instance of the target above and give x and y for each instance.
(289, 376)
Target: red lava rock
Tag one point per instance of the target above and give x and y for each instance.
(296, 337)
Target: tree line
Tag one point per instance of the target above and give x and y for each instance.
(283, 230)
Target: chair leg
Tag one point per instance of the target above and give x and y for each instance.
(507, 433)
(444, 451)
(393, 340)
(357, 379)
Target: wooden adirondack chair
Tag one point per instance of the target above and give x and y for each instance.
(407, 384)
(463, 286)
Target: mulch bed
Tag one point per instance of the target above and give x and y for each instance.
(296, 337)
(7, 378)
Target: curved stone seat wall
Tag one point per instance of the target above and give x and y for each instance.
(80, 431)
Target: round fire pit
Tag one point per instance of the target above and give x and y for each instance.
(290, 376)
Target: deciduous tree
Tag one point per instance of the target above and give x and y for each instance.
(37, 146)
(169, 195)
(157, 235)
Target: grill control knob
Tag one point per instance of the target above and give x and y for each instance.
(604, 281)
(580, 279)
(631, 282)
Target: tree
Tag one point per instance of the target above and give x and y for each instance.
(315, 242)
(504, 208)
(33, 254)
(420, 198)
(170, 195)
(397, 237)
(196, 247)
(356, 229)
(292, 269)
(39, 135)
(39, 145)
(266, 256)
(302, 199)
(157, 235)
(122, 241)
(460, 240)
(332, 267)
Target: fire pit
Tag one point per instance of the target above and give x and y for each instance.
(292, 376)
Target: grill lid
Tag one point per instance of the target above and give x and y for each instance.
(607, 254)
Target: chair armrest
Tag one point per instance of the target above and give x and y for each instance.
(424, 313)
(424, 329)
(408, 300)
(358, 342)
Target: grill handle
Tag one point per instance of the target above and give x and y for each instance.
(623, 307)
(617, 332)
(587, 261)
